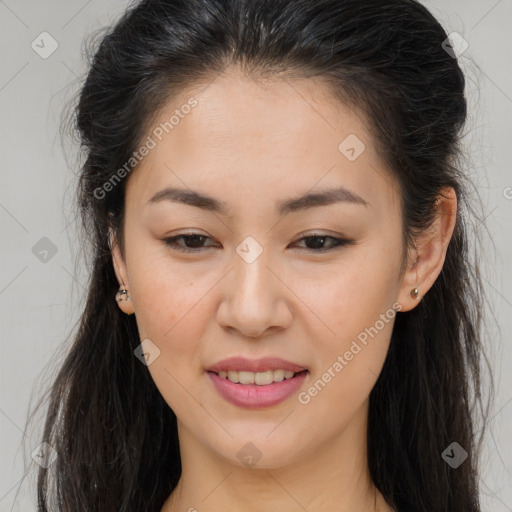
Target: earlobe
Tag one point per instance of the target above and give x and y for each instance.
(430, 251)
(124, 300)
(411, 300)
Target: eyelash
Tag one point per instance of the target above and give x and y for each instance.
(338, 242)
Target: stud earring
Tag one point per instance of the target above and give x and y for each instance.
(122, 294)
(414, 293)
(125, 301)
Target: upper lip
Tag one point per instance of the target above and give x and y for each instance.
(254, 365)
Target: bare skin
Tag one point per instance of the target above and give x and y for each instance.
(252, 145)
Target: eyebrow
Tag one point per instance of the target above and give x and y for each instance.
(208, 203)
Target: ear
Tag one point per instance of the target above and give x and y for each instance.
(429, 254)
(124, 301)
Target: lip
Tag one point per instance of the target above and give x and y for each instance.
(263, 364)
(253, 396)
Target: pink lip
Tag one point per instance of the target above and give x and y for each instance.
(252, 396)
(254, 365)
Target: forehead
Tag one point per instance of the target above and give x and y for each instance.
(247, 138)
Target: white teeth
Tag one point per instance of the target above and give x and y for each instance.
(233, 376)
(264, 378)
(246, 377)
(259, 378)
(278, 375)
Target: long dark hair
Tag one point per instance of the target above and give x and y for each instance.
(115, 436)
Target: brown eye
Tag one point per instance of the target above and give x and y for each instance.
(193, 242)
(316, 243)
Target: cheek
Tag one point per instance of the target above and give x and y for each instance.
(358, 324)
(352, 295)
(171, 312)
(165, 295)
(357, 316)
(349, 359)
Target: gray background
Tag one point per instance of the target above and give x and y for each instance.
(40, 300)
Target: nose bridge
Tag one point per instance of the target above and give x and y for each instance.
(251, 275)
(251, 302)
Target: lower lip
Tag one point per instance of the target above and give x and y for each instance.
(252, 396)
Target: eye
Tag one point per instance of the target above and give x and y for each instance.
(319, 240)
(194, 242)
(194, 239)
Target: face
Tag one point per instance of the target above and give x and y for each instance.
(314, 283)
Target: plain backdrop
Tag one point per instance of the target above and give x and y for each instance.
(41, 288)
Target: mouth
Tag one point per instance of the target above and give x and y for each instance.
(256, 383)
(257, 390)
(264, 378)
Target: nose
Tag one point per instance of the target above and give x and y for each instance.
(254, 298)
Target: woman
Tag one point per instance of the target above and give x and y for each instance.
(281, 313)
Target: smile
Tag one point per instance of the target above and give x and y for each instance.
(257, 390)
(259, 378)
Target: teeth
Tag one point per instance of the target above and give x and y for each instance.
(246, 377)
(232, 376)
(259, 378)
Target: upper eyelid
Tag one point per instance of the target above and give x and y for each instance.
(303, 234)
(339, 239)
(299, 237)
